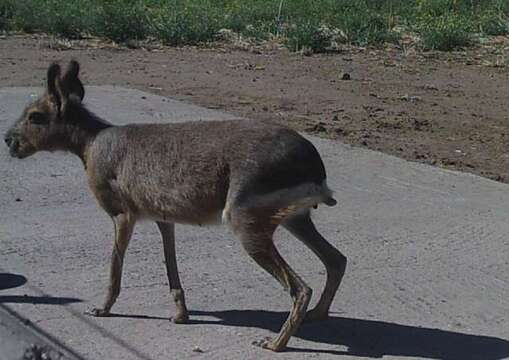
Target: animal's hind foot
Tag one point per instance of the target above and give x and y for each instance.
(269, 344)
(97, 312)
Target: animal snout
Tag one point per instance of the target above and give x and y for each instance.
(11, 140)
(8, 139)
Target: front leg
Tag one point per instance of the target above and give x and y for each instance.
(124, 225)
(168, 235)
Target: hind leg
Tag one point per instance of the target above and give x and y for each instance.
(255, 232)
(302, 227)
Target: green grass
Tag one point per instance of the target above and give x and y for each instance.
(317, 25)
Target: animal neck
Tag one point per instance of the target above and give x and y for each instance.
(82, 126)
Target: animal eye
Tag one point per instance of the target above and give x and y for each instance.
(38, 118)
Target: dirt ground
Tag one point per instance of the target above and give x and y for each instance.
(449, 110)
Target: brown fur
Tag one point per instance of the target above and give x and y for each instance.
(255, 176)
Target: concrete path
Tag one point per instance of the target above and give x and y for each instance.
(427, 277)
(21, 339)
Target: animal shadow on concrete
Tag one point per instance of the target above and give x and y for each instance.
(46, 300)
(9, 281)
(371, 339)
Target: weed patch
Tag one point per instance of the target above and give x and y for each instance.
(318, 25)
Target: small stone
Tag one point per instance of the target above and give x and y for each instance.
(410, 98)
(345, 76)
(197, 349)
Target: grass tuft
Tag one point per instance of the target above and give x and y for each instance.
(318, 25)
(445, 32)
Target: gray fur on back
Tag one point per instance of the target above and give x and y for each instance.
(160, 166)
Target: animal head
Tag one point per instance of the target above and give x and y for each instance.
(43, 123)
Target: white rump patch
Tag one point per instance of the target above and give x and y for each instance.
(289, 200)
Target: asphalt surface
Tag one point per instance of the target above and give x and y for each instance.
(427, 248)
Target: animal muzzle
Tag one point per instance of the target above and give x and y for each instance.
(12, 142)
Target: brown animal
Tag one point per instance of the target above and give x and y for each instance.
(252, 175)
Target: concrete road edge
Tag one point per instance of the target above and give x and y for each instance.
(22, 339)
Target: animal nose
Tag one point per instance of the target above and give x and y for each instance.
(8, 140)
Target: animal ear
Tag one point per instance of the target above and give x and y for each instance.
(53, 85)
(71, 84)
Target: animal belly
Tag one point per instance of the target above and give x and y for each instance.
(181, 208)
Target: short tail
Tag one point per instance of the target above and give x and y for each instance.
(327, 199)
(330, 201)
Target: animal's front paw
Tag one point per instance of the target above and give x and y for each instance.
(180, 318)
(268, 343)
(97, 312)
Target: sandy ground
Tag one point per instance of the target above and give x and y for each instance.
(449, 110)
